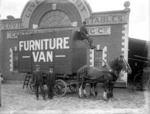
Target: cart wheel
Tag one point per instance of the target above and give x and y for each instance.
(32, 87)
(60, 88)
(138, 86)
(73, 88)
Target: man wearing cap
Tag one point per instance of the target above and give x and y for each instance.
(38, 82)
(84, 35)
(50, 83)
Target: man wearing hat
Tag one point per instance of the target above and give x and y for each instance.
(84, 35)
(50, 82)
(38, 82)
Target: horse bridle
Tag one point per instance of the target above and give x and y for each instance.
(127, 65)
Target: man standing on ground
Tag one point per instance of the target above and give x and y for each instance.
(84, 35)
(38, 82)
(50, 82)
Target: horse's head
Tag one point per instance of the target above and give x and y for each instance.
(120, 65)
(125, 66)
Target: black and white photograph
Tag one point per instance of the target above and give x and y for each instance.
(74, 57)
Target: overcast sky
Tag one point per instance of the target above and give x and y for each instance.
(139, 15)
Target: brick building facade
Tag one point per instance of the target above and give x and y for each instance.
(108, 29)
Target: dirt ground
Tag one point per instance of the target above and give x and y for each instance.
(16, 100)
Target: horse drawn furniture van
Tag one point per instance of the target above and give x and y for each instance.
(55, 49)
(58, 49)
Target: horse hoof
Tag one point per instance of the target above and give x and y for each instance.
(114, 99)
(105, 96)
(98, 97)
(109, 95)
(88, 97)
(105, 99)
(80, 97)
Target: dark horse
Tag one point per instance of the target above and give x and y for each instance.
(93, 75)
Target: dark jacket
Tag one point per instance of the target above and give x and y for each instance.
(83, 31)
(50, 78)
(37, 77)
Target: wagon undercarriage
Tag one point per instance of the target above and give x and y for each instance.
(62, 84)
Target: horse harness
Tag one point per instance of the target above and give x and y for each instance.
(105, 76)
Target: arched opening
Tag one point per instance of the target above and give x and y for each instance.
(55, 19)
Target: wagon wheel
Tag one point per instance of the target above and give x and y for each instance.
(32, 86)
(138, 86)
(138, 81)
(73, 88)
(60, 88)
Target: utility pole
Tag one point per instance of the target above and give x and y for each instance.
(0, 78)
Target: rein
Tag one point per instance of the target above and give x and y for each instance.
(127, 65)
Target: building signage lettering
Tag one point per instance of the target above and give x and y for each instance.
(80, 5)
(102, 30)
(29, 10)
(83, 10)
(15, 34)
(41, 47)
(106, 19)
(33, 4)
(32, 7)
(11, 25)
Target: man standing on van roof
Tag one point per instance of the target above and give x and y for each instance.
(84, 35)
(50, 82)
(38, 82)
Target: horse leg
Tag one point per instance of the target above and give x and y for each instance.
(84, 90)
(98, 94)
(92, 92)
(91, 86)
(81, 87)
(105, 93)
(82, 72)
(95, 89)
(80, 84)
(80, 91)
(111, 90)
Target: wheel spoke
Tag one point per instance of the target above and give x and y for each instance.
(60, 88)
(73, 88)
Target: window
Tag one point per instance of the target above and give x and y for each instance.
(55, 19)
(97, 58)
(15, 60)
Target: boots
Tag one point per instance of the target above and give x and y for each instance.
(89, 43)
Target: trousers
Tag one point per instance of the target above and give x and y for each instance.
(50, 91)
(37, 86)
(90, 40)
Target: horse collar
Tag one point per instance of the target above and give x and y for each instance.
(114, 74)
